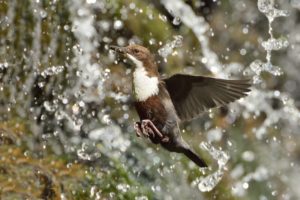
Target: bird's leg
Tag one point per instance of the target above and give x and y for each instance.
(152, 129)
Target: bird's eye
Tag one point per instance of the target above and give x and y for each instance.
(135, 50)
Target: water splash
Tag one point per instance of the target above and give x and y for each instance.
(207, 183)
(3, 65)
(176, 21)
(95, 193)
(267, 7)
(295, 3)
(167, 49)
(141, 198)
(240, 188)
(199, 26)
(52, 71)
(65, 107)
(275, 44)
(258, 66)
(91, 72)
(114, 142)
(259, 102)
(121, 187)
(86, 152)
(90, 1)
(220, 156)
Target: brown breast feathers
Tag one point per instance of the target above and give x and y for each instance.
(152, 109)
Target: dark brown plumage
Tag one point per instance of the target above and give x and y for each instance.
(193, 95)
(163, 103)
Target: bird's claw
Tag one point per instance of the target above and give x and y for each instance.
(149, 130)
(141, 130)
(137, 128)
(148, 125)
(165, 139)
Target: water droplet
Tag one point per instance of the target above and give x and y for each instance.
(41, 84)
(219, 155)
(229, 143)
(167, 49)
(132, 6)
(245, 185)
(295, 3)
(118, 24)
(65, 100)
(3, 65)
(48, 106)
(248, 156)
(106, 119)
(163, 17)
(176, 21)
(257, 67)
(43, 14)
(274, 193)
(52, 71)
(204, 60)
(268, 8)
(123, 187)
(91, 1)
(245, 30)
(243, 52)
(81, 104)
(141, 198)
(26, 153)
(75, 109)
(209, 182)
(86, 153)
(66, 27)
(275, 44)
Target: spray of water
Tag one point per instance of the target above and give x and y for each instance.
(60, 86)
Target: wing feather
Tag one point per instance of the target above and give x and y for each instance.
(192, 95)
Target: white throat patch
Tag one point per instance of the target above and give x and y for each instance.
(143, 85)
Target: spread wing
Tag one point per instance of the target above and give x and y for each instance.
(192, 95)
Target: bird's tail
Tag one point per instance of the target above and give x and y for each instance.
(177, 144)
(194, 157)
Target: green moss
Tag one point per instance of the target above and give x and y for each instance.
(53, 175)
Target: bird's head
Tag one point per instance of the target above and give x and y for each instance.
(139, 55)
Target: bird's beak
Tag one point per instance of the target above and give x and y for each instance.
(120, 50)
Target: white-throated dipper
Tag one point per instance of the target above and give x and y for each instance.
(163, 103)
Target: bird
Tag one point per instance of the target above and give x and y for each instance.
(163, 103)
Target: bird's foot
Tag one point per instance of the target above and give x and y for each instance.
(142, 130)
(148, 127)
(138, 129)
